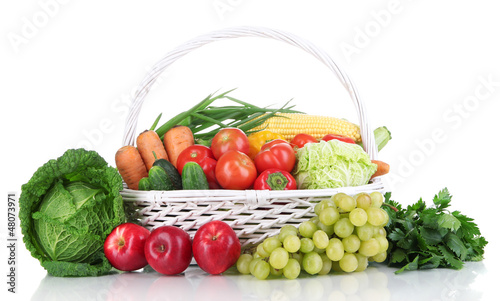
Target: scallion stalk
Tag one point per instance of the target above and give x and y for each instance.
(206, 120)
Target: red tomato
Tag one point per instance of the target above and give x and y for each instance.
(275, 179)
(235, 170)
(338, 137)
(208, 165)
(230, 139)
(194, 153)
(279, 155)
(202, 155)
(301, 139)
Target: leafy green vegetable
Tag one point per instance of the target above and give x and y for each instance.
(424, 237)
(332, 164)
(67, 209)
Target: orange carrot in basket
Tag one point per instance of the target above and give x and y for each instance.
(150, 147)
(176, 140)
(382, 168)
(130, 166)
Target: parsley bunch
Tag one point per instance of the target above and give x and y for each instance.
(424, 237)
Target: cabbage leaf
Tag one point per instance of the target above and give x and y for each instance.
(332, 164)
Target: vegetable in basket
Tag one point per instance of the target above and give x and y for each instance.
(176, 140)
(162, 176)
(332, 164)
(258, 139)
(205, 120)
(67, 209)
(159, 179)
(151, 148)
(275, 179)
(235, 170)
(382, 168)
(345, 139)
(133, 163)
(275, 154)
(382, 136)
(130, 166)
(301, 139)
(193, 177)
(202, 155)
(171, 171)
(313, 128)
(291, 124)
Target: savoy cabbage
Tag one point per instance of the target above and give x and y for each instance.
(67, 209)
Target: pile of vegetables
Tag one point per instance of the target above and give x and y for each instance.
(205, 133)
(67, 209)
(72, 204)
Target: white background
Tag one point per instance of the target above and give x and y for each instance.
(428, 70)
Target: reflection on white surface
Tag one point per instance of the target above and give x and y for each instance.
(378, 282)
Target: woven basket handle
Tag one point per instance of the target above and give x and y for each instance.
(237, 32)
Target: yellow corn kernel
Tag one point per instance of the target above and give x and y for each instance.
(291, 124)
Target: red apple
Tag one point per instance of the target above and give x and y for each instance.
(168, 250)
(124, 247)
(216, 247)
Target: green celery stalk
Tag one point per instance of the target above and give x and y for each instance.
(382, 136)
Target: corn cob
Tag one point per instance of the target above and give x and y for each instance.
(291, 124)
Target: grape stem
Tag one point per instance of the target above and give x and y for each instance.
(250, 250)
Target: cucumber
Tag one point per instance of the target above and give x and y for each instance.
(172, 172)
(144, 184)
(159, 179)
(193, 177)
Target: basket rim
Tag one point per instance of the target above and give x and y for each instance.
(251, 196)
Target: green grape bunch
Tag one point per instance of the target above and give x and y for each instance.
(346, 233)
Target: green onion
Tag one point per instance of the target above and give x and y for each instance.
(206, 120)
(153, 127)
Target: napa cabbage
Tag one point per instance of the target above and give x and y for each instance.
(332, 164)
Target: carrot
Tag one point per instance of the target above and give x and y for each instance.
(382, 168)
(130, 166)
(176, 140)
(149, 144)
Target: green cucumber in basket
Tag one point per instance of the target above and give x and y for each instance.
(144, 184)
(159, 179)
(193, 177)
(172, 172)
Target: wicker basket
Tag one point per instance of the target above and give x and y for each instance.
(253, 214)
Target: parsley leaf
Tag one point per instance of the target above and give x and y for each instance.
(424, 237)
(449, 221)
(442, 199)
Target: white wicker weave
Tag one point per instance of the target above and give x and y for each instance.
(253, 214)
